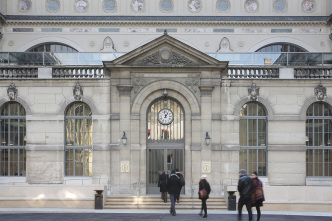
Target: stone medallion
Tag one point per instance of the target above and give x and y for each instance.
(81, 5)
(137, 5)
(109, 5)
(53, 5)
(251, 6)
(308, 6)
(166, 5)
(194, 5)
(280, 5)
(223, 5)
(24, 5)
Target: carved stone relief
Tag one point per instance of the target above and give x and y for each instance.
(253, 92)
(108, 45)
(224, 45)
(193, 83)
(138, 83)
(12, 92)
(166, 57)
(320, 92)
(78, 92)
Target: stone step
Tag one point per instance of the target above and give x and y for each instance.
(166, 206)
(155, 202)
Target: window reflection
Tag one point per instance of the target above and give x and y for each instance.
(78, 140)
(52, 47)
(253, 144)
(12, 136)
(318, 140)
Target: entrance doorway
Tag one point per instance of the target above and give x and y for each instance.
(160, 160)
(165, 140)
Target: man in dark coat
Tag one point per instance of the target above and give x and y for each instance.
(173, 187)
(162, 183)
(182, 184)
(244, 187)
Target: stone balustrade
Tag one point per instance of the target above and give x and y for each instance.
(78, 72)
(18, 72)
(253, 72)
(233, 72)
(313, 73)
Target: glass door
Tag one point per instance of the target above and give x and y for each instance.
(160, 160)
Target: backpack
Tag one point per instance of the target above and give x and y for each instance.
(182, 180)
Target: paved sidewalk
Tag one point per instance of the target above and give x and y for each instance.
(47, 214)
(149, 217)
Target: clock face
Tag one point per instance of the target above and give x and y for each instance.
(165, 116)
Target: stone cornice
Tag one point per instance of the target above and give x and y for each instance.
(153, 20)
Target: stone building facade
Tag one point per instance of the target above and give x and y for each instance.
(147, 82)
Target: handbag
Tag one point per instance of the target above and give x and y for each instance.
(203, 193)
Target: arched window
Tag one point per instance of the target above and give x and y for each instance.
(318, 139)
(281, 47)
(253, 142)
(52, 47)
(78, 140)
(13, 140)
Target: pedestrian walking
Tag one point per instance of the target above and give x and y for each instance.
(173, 187)
(257, 196)
(182, 184)
(244, 187)
(203, 194)
(162, 184)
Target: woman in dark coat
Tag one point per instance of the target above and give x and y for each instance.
(203, 184)
(257, 196)
(162, 183)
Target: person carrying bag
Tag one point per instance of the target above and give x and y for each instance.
(203, 194)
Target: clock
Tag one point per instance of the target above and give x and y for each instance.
(165, 116)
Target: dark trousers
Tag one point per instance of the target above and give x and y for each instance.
(178, 195)
(258, 213)
(204, 207)
(244, 200)
(172, 196)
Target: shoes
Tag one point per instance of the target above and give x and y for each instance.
(177, 201)
(200, 214)
(173, 214)
(205, 216)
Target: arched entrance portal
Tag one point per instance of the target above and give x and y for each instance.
(165, 140)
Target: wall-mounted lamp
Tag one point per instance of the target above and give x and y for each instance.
(124, 138)
(165, 97)
(207, 139)
(306, 138)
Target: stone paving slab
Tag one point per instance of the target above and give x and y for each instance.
(149, 217)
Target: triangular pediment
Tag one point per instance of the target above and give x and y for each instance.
(165, 51)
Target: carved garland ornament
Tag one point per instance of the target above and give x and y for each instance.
(78, 92)
(193, 83)
(12, 92)
(138, 83)
(253, 92)
(166, 57)
(320, 92)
